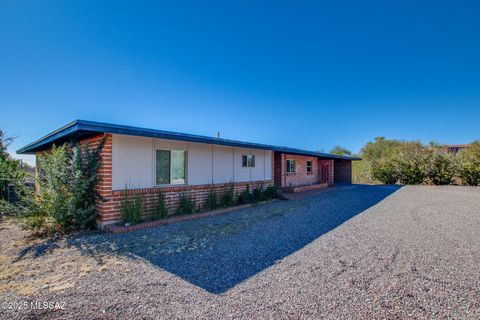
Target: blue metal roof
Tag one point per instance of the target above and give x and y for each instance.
(84, 128)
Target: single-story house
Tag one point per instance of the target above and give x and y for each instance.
(143, 161)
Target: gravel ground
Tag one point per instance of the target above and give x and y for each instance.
(351, 252)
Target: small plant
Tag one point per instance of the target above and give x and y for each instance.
(228, 198)
(271, 193)
(137, 208)
(131, 208)
(245, 196)
(212, 202)
(186, 205)
(257, 194)
(126, 209)
(161, 211)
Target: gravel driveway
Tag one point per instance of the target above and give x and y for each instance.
(347, 252)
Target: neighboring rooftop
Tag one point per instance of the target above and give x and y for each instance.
(80, 129)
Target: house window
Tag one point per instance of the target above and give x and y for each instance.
(248, 161)
(309, 167)
(170, 166)
(291, 168)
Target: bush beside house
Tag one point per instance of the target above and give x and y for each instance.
(394, 161)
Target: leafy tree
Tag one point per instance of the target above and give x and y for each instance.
(380, 148)
(470, 164)
(340, 151)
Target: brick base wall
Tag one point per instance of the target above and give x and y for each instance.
(343, 171)
(111, 209)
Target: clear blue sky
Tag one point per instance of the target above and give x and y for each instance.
(307, 74)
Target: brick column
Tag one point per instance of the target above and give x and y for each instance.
(104, 187)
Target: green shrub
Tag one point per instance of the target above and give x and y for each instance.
(161, 211)
(67, 194)
(11, 171)
(412, 161)
(442, 168)
(228, 197)
(9, 209)
(385, 170)
(187, 204)
(469, 170)
(245, 196)
(271, 193)
(137, 208)
(257, 194)
(211, 203)
(84, 164)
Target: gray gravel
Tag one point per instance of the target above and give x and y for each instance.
(350, 252)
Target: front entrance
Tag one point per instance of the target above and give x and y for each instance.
(324, 175)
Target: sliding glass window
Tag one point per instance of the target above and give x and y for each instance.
(170, 166)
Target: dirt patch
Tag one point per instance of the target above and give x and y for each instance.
(28, 265)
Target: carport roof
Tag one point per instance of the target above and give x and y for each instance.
(80, 129)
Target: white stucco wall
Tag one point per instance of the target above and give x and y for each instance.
(133, 162)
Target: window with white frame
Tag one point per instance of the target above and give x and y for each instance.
(170, 166)
(291, 166)
(309, 167)
(248, 160)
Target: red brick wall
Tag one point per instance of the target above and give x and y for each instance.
(343, 171)
(285, 180)
(300, 177)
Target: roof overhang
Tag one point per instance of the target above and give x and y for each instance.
(80, 129)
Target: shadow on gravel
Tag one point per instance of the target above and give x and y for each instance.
(220, 252)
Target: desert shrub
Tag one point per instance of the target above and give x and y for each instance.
(245, 196)
(131, 207)
(271, 193)
(9, 209)
(361, 172)
(379, 162)
(66, 197)
(137, 208)
(228, 197)
(469, 167)
(186, 204)
(84, 164)
(161, 211)
(412, 161)
(257, 194)
(441, 169)
(11, 172)
(211, 203)
(55, 194)
(385, 170)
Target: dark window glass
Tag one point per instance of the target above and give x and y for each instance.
(248, 160)
(290, 166)
(309, 166)
(163, 167)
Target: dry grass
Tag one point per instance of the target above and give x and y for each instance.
(55, 270)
